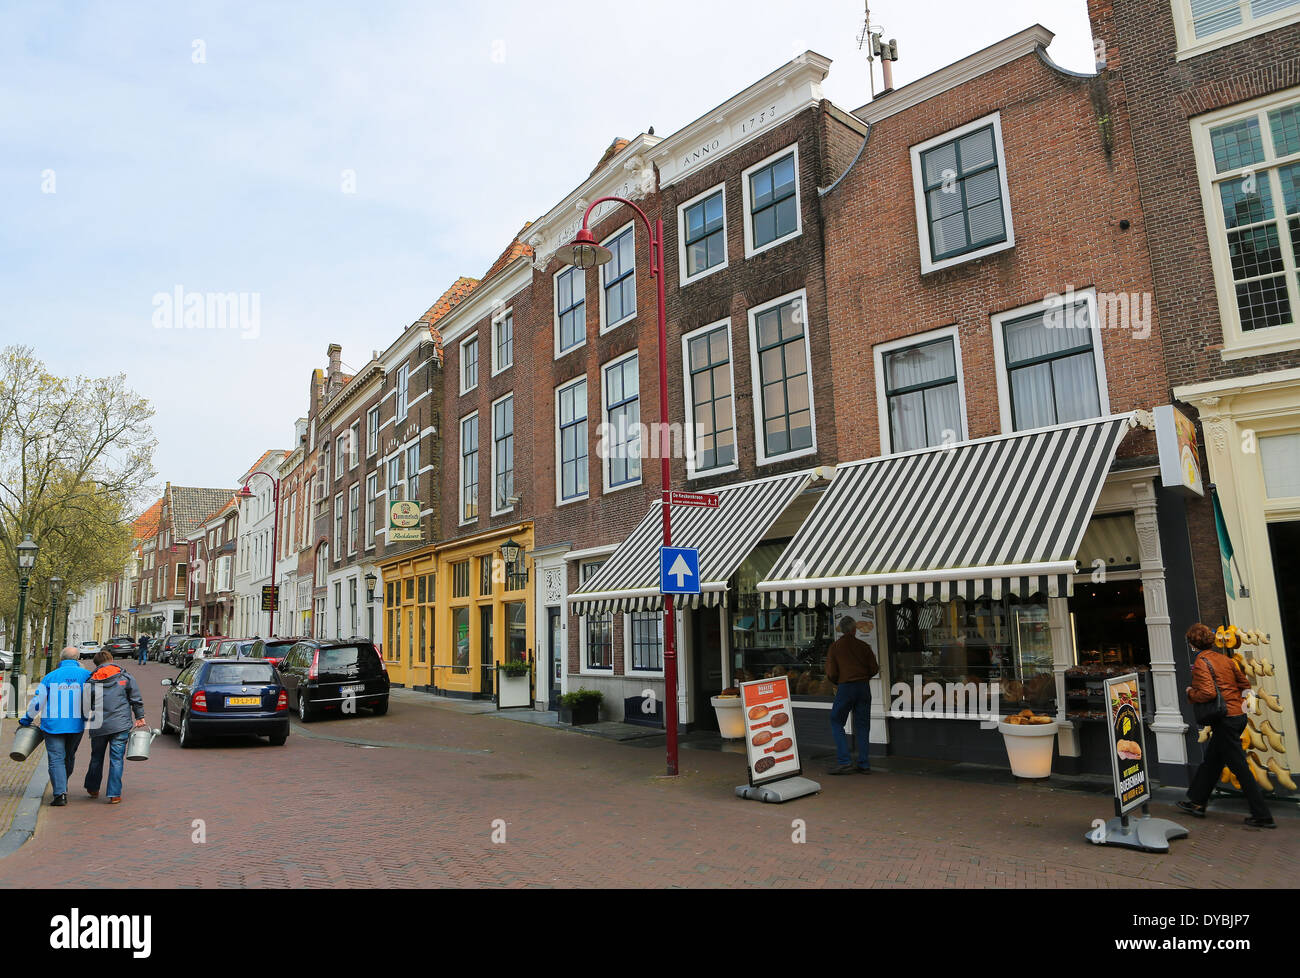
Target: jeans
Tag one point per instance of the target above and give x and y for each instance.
(116, 745)
(142, 655)
(852, 698)
(1224, 750)
(61, 754)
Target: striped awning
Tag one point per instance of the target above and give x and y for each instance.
(1001, 515)
(725, 536)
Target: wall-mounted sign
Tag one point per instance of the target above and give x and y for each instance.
(1180, 452)
(770, 743)
(270, 596)
(404, 521)
(1128, 759)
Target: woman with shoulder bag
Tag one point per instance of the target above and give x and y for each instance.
(1215, 694)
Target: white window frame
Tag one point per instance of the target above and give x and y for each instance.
(555, 309)
(394, 466)
(1236, 342)
(583, 668)
(928, 264)
(689, 399)
(756, 391)
(354, 433)
(1189, 45)
(628, 668)
(460, 468)
(372, 496)
(372, 433)
(683, 278)
(493, 467)
(338, 523)
(1089, 297)
(497, 320)
(402, 393)
(354, 515)
(902, 343)
(472, 339)
(750, 250)
(605, 326)
(604, 426)
(559, 460)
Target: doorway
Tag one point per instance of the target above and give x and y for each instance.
(488, 666)
(554, 658)
(706, 665)
(1284, 542)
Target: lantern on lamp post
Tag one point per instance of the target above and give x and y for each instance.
(27, 551)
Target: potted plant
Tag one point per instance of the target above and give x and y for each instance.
(731, 719)
(514, 683)
(1029, 739)
(580, 706)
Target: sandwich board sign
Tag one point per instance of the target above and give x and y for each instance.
(771, 745)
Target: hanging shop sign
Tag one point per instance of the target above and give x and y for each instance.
(404, 521)
(270, 596)
(1180, 453)
(1127, 742)
(770, 743)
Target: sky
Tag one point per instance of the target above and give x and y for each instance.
(338, 165)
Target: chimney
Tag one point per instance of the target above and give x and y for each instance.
(335, 354)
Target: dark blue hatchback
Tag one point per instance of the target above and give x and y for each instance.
(226, 697)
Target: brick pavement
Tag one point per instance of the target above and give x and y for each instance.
(578, 811)
(14, 775)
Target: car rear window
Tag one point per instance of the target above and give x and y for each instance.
(350, 660)
(239, 673)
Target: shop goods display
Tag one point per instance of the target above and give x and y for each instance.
(1084, 690)
(1260, 739)
(1028, 717)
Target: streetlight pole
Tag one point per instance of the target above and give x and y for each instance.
(370, 604)
(27, 551)
(246, 493)
(55, 584)
(584, 252)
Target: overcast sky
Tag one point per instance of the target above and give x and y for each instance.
(344, 162)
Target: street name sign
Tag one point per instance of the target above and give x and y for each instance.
(706, 499)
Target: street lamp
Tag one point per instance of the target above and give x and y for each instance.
(27, 551)
(370, 603)
(585, 252)
(55, 584)
(247, 493)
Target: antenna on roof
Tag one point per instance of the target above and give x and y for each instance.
(872, 37)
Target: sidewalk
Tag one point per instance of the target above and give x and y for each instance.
(17, 820)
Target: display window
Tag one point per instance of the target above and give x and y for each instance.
(1110, 639)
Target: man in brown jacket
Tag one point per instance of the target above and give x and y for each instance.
(851, 665)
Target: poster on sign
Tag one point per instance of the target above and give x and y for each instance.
(770, 744)
(1127, 742)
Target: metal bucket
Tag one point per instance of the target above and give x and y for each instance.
(137, 745)
(25, 741)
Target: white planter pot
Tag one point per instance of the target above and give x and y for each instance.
(1029, 746)
(731, 718)
(514, 691)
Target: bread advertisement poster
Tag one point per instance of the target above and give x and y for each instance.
(865, 616)
(1127, 742)
(769, 730)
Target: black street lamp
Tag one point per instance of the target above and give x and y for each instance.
(55, 583)
(370, 603)
(27, 551)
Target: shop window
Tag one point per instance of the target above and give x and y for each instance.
(710, 405)
(420, 654)
(460, 635)
(410, 588)
(516, 613)
(485, 575)
(460, 579)
(771, 642)
(922, 390)
(618, 280)
(1110, 637)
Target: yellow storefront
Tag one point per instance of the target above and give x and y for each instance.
(453, 611)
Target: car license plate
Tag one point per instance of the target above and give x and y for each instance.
(243, 701)
(355, 688)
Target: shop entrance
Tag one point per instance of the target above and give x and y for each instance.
(554, 658)
(1284, 541)
(1110, 624)
(487, 666)
(706, 668)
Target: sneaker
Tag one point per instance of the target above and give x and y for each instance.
(92, 794)
(863, 770)
(59, 801)
(842, 769)
(1191, 808)
(1260, 823)
(115, 801)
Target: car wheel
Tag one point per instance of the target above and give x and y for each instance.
(381, 707)
(163, 725)
(278, 741)
(305, 713)
(187, 739)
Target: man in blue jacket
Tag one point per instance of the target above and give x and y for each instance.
(57, 702)
(144, 647)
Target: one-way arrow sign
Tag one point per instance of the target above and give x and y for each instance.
(679, 570)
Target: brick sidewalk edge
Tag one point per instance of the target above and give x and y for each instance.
(29, 810)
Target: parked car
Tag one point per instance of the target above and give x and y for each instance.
(170, 644)
(155, 650)
(274, 649)
(6, 660)
(121, 645)
(87, 649)
(224, 698)
(192, 649)
(234, 648)
(323, 675)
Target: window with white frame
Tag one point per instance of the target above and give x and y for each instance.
(710, 404)
(1050, 365)
(920, 385)
(372, 431)
(618, 280)
(781, 367)
(646, 641)
(702, 224)
(1249, 166)
(503, 453)
(960, 183)
(571, 440)
(771, 193)
(413, 472)
(570, 308)
(324, 471)
(338, 525)
(340, 456)
(1202, 25)
(469, 365)
(403, 391)
(395, 478)
(354, 446)
(372, 492)
(503, 341)
(354, 511)
(597, 629)
(469, 468)
(621, 437)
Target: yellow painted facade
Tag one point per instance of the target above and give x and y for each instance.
(452, 611)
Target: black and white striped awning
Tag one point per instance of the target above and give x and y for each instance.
(725, 536)
(1001, 515)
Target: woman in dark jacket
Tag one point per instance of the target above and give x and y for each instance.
(1214, 673)
(112, 696)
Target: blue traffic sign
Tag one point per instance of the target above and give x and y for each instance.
(679, 570)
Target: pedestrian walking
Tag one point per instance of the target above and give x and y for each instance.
(144, 647)
(112, 696)
(851, 665)
(56, 707)
(1214, 676)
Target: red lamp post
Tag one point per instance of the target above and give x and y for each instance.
(246, 493)
(585, 252)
